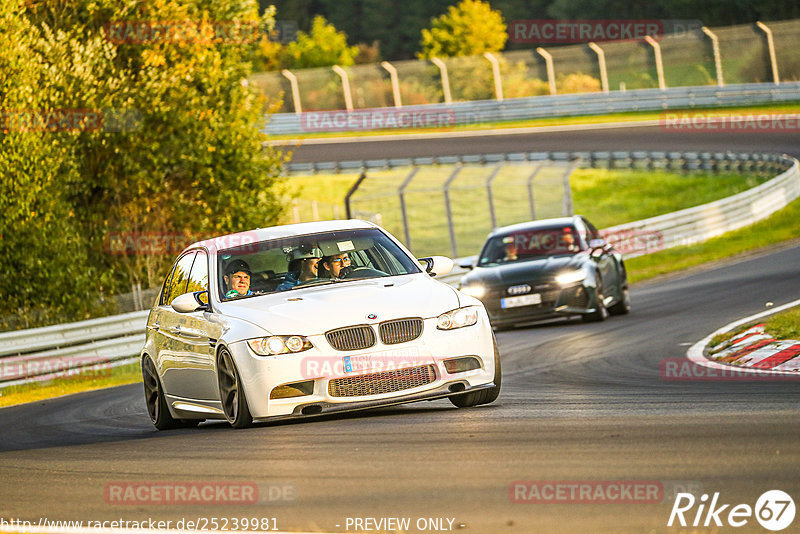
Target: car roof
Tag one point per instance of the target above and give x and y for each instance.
(222, 242)
(536, 225)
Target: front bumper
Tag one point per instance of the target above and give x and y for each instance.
(579, 299)
(323, 364)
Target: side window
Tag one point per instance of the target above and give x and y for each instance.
(180, 277)
(593, 233)
(165, 289)
(198, 279)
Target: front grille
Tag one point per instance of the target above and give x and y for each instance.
(383, 382)
(400, 331)
(351, 338)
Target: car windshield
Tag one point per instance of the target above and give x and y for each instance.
(296, 262)
(529, 244)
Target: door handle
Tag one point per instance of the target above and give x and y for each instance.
(175, 330)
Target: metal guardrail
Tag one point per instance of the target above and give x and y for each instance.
(536, 107)
(40, 353)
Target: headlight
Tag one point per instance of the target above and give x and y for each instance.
(457, 318)
(570, 277)
(476, 291)
(270, 346)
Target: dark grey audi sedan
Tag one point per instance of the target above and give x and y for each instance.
(548, 268)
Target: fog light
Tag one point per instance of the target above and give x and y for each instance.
(460, 365)
(297, 389)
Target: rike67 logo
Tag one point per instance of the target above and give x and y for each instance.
(774, 510)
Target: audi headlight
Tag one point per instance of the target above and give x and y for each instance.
(474, 290)
(570, 277)
(270, 346)
(457, 318)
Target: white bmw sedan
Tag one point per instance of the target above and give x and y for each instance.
(310, 319)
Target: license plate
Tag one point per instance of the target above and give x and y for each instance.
(522, 300)
(386, 360)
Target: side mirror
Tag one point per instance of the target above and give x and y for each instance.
(190, 302)
(466, 263)
(437, 265)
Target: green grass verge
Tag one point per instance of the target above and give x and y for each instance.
(631, 116)
(115, 376)
(781, 226)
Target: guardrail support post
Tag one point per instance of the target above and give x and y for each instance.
(498, 81)
(448, 209)
(659, 64)
(489, 181)
(448, 99)
(348, 97)
(566, 205)
(395, 82)
(771, 47)
(551, 73)
(601, 65)
(715, 49)
(295, 90)
(351, 192)
(401, 192)
(529, 183)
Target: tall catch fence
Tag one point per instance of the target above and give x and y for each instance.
(688, 59)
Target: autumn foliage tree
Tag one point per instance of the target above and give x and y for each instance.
(467, 29)
(180, 151)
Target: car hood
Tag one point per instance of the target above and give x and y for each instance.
(526, 271)
(315, 310)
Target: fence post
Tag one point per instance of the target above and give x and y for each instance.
(715, 49)
(351, 192)
(489, 181)
(295, 89)
(566, 205)
(551, 73)
(771, 47)
(402, 194)
(395, 82)
(498, 81)
(536, 170)
(348, 97)
(601, 65)
(659, 64)
(448, 99)
(446, 191)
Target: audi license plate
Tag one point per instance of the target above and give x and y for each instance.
(522, 300)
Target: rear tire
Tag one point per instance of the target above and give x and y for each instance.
(231, 393)
(154, 398)
(485, 396)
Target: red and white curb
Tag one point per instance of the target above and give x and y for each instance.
(751, 351)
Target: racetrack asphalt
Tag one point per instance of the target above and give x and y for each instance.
(579, 402)
(612, 138)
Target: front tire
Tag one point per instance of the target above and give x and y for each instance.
(623, 306)
(600, 312)
(231, 394)
(485, 396)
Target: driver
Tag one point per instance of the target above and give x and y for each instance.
(335, 266)
(303, 267)
(237, 279)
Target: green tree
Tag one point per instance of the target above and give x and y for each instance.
(323, 46)
(469, 28)
(188, 159)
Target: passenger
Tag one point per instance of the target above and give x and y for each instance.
(237, 279)
(336, 266)
(303, 267)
